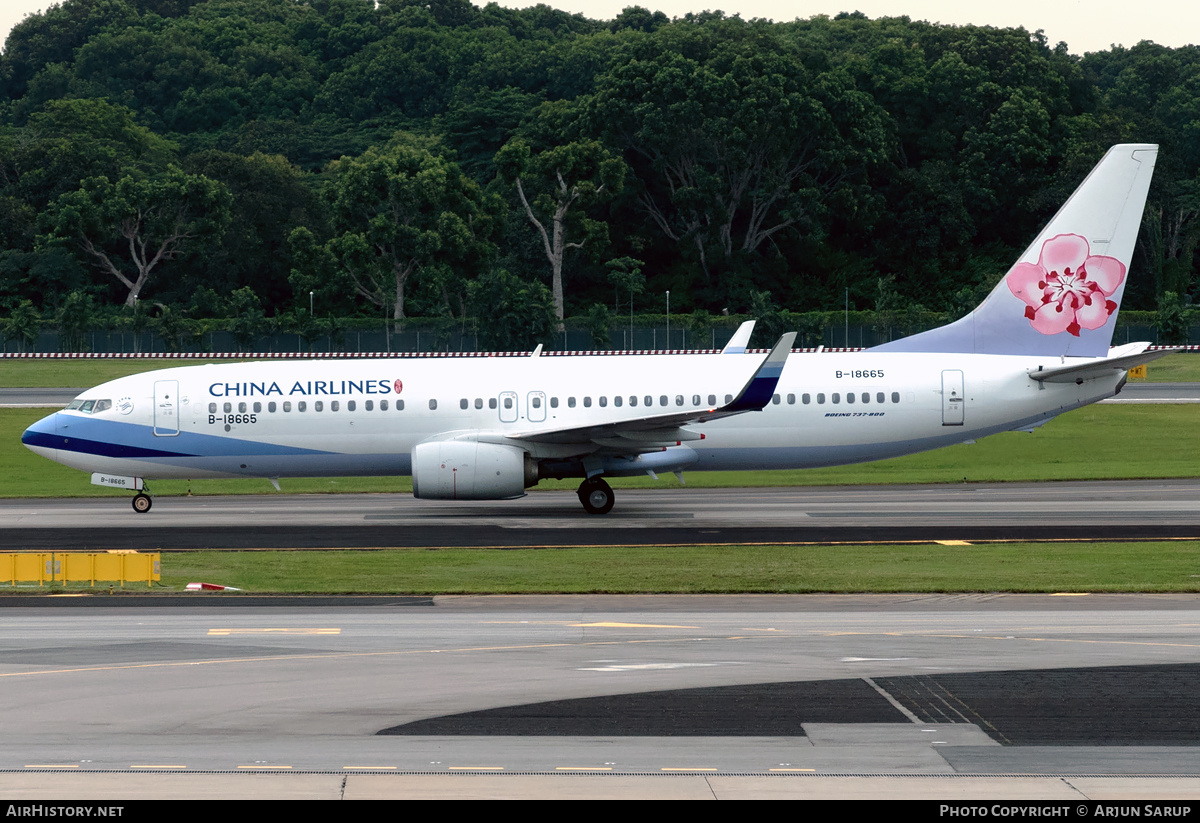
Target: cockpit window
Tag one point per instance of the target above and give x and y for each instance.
(89, 406)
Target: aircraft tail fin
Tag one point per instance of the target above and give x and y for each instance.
(1062, 296)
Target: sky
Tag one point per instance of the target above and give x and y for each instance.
(1084, 25)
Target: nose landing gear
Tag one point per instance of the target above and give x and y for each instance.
(142, 502)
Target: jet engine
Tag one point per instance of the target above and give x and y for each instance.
(467, 470)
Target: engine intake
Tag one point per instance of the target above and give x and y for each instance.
(467, 470)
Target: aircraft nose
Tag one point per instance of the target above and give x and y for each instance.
(42, 435)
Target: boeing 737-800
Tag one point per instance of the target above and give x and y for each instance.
(488, 428)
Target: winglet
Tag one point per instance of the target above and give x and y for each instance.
(536, 352)
(758, 391)
(741, 338)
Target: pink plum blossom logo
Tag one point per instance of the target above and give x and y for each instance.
(1068, 288)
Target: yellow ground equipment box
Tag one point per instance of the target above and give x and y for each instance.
(47, 568)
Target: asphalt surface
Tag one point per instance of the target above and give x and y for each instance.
(1146, 509)
(887, 696)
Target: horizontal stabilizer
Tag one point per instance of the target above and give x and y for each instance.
(1121, 360)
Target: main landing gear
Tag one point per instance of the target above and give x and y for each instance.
(141, 502)
(596, 496)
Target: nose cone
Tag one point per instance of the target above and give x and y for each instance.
(42, 437)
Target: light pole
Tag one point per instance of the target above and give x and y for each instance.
(310, 304)
(668, 319)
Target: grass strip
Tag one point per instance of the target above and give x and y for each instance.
(1168, 566)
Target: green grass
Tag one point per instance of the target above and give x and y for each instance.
(1097, 442)
(1005, 567)
(32, 374)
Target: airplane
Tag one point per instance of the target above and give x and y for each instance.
(480, 427)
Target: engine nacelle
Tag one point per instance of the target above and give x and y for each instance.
(466, 470)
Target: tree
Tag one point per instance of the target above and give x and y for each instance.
(23, 325)
(398, 208)
(513, 314)
(564, 182)
(733, 140)
(131, 227)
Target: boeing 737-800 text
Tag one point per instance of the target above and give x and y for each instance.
(488, 428)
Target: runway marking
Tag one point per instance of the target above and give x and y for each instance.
(156, 766)
(583, 768)
(612, 625)
(266, 767)
(1070, 594)
(687, 769)
(617, 667)
(791, 770)
(227, 632)
(370, 768)
(952, 542)
(476, 768)
(896, 704)
(52, 765)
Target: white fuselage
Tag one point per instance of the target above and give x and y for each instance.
(365, 416)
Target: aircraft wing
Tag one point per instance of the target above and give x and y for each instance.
(1119, 359)
(652, 432)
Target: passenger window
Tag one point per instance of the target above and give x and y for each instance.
(287, 405)
(603, 401)
(241, 408)
(712, 400)
(617, 401)
(728, 399)
(228, 408)
(791, 399)
(478, 402)
(878, 397)
(775, 400)
(399, 405)
(212, 408)
(334, 405)
(662, 400)
(849, 397)
(319, 405)
(383, 404)
(806, 398)
(463, 404)
(508, 402)
(570, 402)
(370, 405)
(895, 397)
(695, 400)
(300, 405)
(271, 407)
(821, 398)
(257, 407)
(554, 402)
(492, 403)
(587, 402)
(633, 399)
(649, 400)
(679, 400)
(349, 405)
(433, 405)
(537, 402)
(866, 397)
(835, 398)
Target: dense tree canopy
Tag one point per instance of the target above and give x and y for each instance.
(271, 157)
